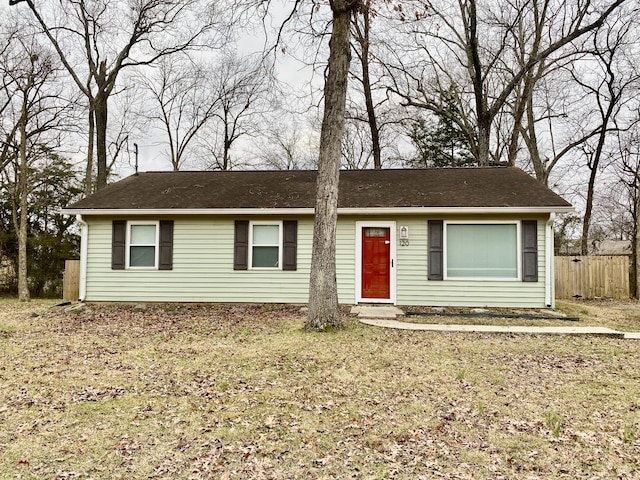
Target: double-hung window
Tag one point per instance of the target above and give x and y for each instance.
(482, 250)
(265, 250)
(265, 245)
(142, 244)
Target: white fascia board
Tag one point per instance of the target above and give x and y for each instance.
(310, 211)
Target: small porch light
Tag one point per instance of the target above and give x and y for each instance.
(404, 232)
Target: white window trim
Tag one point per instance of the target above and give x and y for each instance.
(392, 258)
(279, 245)
(445, 255)
(156, 246)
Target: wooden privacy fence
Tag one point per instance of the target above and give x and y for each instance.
(592, 276)
(71, 281)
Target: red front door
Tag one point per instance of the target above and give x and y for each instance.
(376, 262)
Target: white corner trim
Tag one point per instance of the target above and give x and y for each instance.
(549, 267)
(84, 244)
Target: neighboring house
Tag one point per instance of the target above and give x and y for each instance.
(450, 236)
(610, 247)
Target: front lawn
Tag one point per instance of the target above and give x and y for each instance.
(190, 391)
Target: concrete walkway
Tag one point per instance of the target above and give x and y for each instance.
(386, 317)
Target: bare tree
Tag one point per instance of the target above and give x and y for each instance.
(323, 292)
(111, 36)
(286, 145)
(628, 168)
(466, 49)
(184, 100)
(358, 153)
(553, 127)
(610, 88)
(361, 25)
(368, 101)
(33, 109)
(549, 113)
(239, 86)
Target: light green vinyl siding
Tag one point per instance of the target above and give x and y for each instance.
(203, 268)
(413, 287)
(346, 260)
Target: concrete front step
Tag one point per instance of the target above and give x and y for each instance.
(376, 311)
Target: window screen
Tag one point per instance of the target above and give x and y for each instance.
(482, 251)
(265, 243)
(142, 246)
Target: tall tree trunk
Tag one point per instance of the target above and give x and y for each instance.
(635, 242)
(101, 118)
(521, 102)
(88, 180)
(101, 140)
(23, 285)
(371, 114)
(225, 150)
(363, 40)
(484, 118)
(175, 154)
(324, 313)
(531, 140)
(586, 221)
(595, 162)
(484, 139)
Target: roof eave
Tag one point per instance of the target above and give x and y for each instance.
(135, 212)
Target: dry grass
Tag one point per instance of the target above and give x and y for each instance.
(616, 314)
(242, 392)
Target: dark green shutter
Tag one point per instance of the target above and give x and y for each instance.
(241, 245)
(529, 251)
(436, 250)
(289, 245)
(166, 245)
(118, 244)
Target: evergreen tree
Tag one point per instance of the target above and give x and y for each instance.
(440, 142)
(50, 239)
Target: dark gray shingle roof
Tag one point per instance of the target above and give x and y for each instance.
(442, 187)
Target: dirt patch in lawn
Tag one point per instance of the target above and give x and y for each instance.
(193, 391)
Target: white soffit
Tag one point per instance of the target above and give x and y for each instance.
(309, 211)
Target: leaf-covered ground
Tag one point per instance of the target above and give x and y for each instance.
(235, 392)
